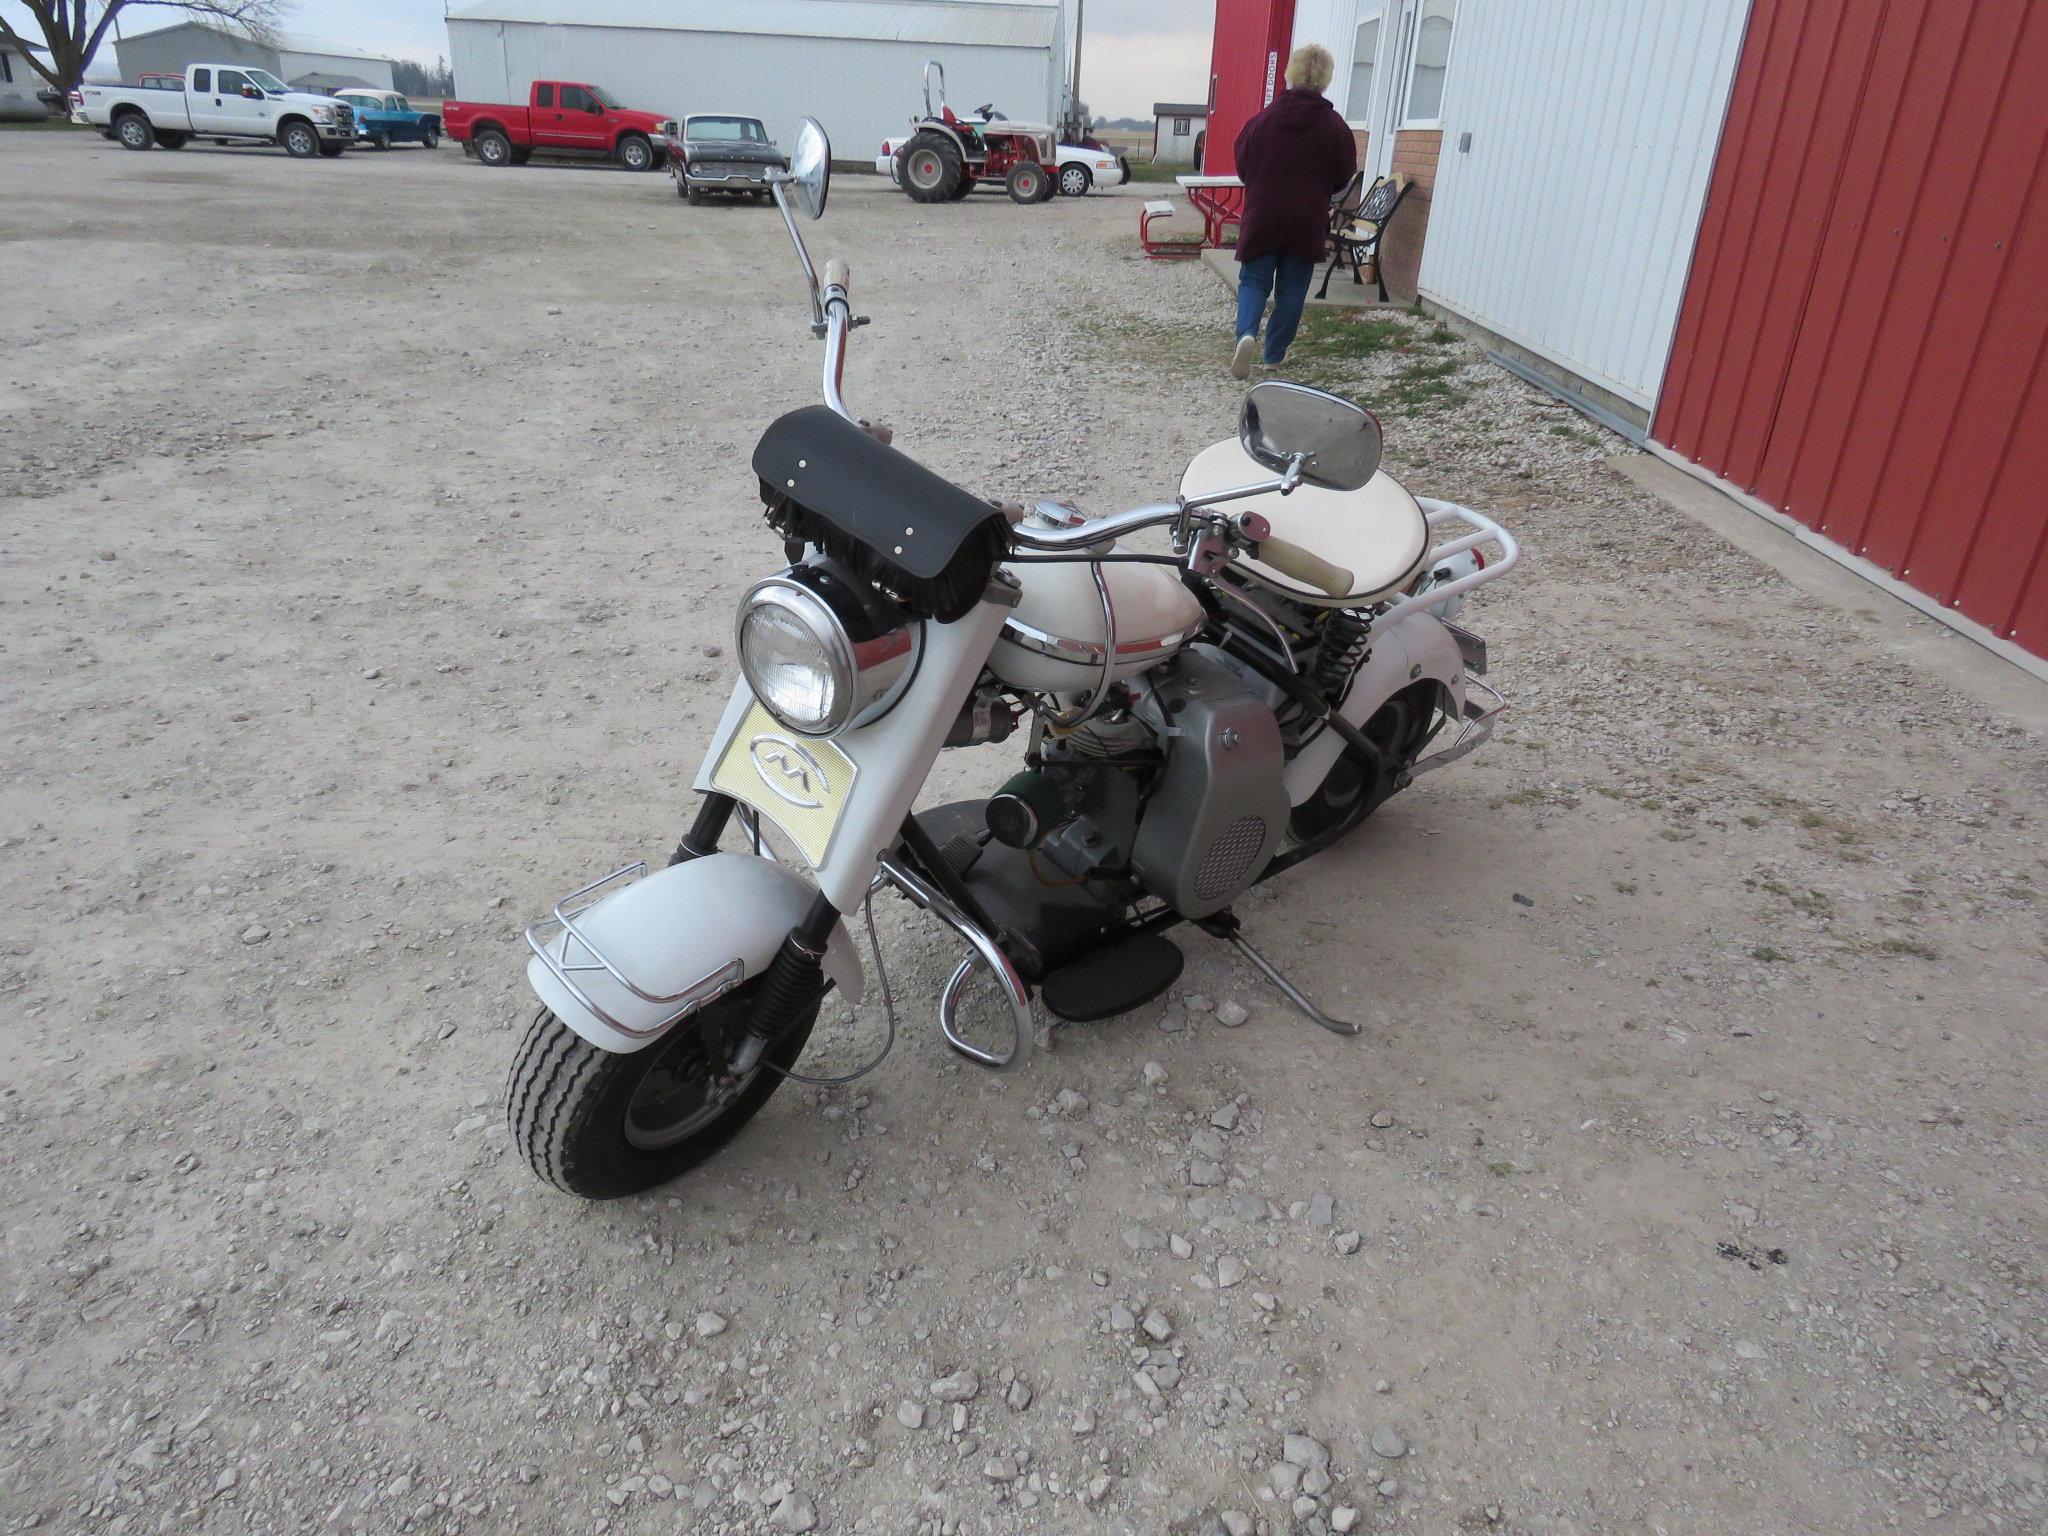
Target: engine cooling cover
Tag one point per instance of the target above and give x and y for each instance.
(1220, 808)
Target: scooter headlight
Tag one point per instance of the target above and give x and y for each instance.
(818, 655)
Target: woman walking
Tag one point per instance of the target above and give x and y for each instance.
(1293, 157)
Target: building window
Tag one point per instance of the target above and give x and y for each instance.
(1180, 127)
(1432, 62)
(1365, 52)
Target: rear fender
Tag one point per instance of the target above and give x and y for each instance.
(1417, 647)
(683, 937)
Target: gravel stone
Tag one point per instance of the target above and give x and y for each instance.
(960, 1387)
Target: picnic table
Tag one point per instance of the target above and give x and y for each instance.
(1219, 200)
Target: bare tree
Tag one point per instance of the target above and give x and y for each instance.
(71, 36)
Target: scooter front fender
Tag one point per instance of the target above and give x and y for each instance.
(639, 961)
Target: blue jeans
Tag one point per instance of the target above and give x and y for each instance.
(1286, 279)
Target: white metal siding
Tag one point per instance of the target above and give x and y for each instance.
(1022, 24)
(18, 86)
(1568, 227)
(862, 91)
(169, 50)
(377, 72)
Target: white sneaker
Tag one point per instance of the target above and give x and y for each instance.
(1241, 358)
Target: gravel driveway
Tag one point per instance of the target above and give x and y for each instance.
(369, 536)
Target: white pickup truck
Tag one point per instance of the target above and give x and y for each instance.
(228, 102)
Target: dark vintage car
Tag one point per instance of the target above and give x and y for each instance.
(714, 152)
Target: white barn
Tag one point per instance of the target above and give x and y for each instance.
(298, 59)
(855, 65)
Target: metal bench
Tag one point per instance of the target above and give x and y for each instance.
(1356, 223)
(1158, 245)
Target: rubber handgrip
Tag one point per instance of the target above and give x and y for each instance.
(1308, 569)
(836, 275)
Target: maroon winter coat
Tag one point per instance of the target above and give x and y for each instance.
(1292, 157)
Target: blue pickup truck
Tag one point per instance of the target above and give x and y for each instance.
(385, 118)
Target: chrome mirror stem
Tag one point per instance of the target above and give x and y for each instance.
(776, 181)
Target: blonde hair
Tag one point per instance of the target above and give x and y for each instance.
(1310, 67)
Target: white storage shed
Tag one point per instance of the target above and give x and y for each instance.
(1564, 216)
(855, 65)
(20, 87)
(294, 57)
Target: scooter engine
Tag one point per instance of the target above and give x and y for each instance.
(1217, 812)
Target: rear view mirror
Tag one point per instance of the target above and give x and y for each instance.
(810, 170)
(1337, 443)
(252, 93)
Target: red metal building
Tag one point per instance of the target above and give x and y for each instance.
(1864, 328)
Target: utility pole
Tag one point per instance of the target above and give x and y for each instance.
(1074, 94)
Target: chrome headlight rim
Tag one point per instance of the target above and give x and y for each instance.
(872, 653)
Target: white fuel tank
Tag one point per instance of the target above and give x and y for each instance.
(1054, 639)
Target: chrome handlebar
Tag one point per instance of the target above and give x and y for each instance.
(838, 318)
(835, 319)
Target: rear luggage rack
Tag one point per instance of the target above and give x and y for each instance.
(1485, 531)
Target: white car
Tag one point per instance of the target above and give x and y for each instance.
(1080, 168)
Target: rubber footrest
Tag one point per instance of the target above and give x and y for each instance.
(1112, 980)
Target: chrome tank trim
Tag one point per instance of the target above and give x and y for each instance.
(1157, 648)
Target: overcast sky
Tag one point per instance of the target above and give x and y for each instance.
(1136, 52)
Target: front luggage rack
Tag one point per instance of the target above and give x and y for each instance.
(556, 938)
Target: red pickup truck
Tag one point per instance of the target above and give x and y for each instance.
(558, 115)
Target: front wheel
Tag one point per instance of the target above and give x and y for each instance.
(1027, 182)
(431, 139)
(299, 141)
(1075, 181)
(601, 1125)
(635, 153)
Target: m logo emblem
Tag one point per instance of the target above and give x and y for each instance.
(791, 773)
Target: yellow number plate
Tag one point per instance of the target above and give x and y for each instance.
(800, 784)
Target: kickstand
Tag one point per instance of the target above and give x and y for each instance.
(1224, 925)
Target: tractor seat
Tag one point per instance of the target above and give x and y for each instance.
(1377, 532)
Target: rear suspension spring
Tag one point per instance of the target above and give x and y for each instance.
(1341, 649)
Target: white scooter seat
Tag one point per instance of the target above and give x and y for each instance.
(1377, 533)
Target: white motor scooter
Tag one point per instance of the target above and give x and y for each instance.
(1195, 722)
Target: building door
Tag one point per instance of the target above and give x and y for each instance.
(1390, 81)
(1246, 60)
